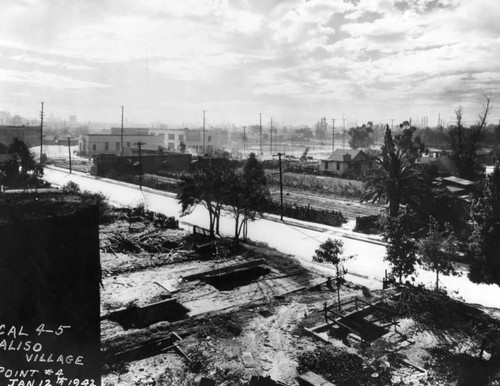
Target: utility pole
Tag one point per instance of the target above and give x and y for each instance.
(41, 133)
(343, 136)
(392, 124)
(244, 139)
(260, 126)
(204, 132)
(271, 150)
(69, 152)
(281, 186)
(139, 144)
(333, 136)
(121, 136)
(439, 119)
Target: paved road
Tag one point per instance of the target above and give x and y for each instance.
(291, 236)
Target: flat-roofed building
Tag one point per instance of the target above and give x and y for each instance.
(192, 140)
(130, 130)
(92, 144)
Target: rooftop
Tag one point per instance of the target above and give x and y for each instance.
(459, 181)
(338, 154)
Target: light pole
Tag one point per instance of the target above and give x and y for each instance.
(69, 152)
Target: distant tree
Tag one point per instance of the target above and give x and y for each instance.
(438, 249)
(361, 136)
(435, 137)
(484, 244)
(304, 134)
(497, 133)
(400, 234)
(320, 129)
(410, 144)
(398, 179)
(331, 251)
(182, 147)
(247, 195)
(465, 141)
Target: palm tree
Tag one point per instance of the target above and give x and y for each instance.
(397, 179)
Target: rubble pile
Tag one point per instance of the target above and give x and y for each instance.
(154, 241)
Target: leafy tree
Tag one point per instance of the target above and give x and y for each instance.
(464, 142)
(331, 251)
(320, 128)
(208, 186)
(400, 233)
(410, 144)
(398, 179)
(21, 164)
(361, 136)
(304, 134)
(438, 249)
(247, 194)
(484, 244)
(497, 133)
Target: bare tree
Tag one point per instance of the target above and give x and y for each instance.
(465, 141)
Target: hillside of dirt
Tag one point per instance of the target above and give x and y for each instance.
(177, 308)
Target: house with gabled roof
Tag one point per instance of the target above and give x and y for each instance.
(347, 160)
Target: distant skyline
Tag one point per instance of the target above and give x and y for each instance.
(293, 60)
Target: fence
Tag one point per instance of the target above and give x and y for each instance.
(306, 213)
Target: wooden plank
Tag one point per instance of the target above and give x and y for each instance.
(247, 358)
(313, 379)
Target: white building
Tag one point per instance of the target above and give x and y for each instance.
(92, 144)
(215, 140)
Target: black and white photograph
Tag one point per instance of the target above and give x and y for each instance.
(249, 192)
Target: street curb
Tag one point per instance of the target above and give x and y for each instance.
(116, 182)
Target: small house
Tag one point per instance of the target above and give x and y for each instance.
(459, 186)
(347, 160)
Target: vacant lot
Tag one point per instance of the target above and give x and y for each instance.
(179, 307)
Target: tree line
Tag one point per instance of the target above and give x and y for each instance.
(421, 225)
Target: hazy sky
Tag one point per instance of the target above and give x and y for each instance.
(294, 60)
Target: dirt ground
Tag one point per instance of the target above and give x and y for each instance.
(254, 323)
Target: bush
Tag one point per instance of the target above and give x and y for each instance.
(340, 367)
(199, 360)
(71, 188)
(225, 326)
(101, 201)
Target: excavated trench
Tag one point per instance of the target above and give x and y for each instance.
(237, 278)
(140, 317)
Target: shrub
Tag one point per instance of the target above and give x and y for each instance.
(199, 362)
(71, 188)
(101, 201)
(340, 367)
